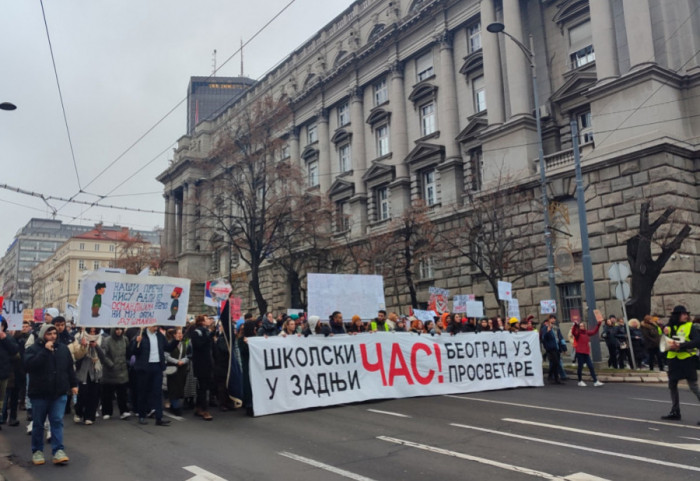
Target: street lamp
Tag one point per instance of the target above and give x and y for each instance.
(530, 54)
(7, 106)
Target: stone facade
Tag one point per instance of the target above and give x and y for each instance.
(396, 101)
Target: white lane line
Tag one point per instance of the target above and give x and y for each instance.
(476, 459)
(202, 474)
(688, 447)
(692, 439)
(658, 401)
(580, 448)
(583, 477)
(389, 413)
(327, 467)
(570, 411)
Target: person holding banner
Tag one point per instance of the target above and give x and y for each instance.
(682, 356)
(335, 325)
(379, 324)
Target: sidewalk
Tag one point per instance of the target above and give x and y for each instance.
(618, 375)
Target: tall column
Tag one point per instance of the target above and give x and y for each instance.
(604, 45)
(171, 229)
(398, 130)
(189, 200)
(326, 173)
(639, 36)
(358, 151)
(516, 61)
(294, 151)
(492, 65)
(165, 241)
(447, 98)
(178, 228)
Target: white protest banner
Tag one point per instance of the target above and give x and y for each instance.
(505, 291)
(459, 302)
(424, 315)
(216, 292)
(548, 307)
(475, 309)
(124, 300)
(514, 308)
(350, 294)
(12, 310)
(293, 373)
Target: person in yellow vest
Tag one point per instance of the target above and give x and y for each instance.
(379, 324)
(682, 357)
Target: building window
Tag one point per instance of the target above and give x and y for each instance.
(479, 91)
(343, 114)
(312, 173)
(476, 167)
(97, 247)
(571, 305)
(285, 151)
(382, 203)
(429, 190)
(581, 45)
(585, 127)
(95, 265)
(81, 265)
(342, 217)
(112, 248)
(474, 36)
(382, 135)
(81, 246)
(424, 66)
(311, 134)
(381, 94)
(427, 119)
(426, 268)
(344, 158)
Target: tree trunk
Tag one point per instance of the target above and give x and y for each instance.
(255, 285)
(295, 290)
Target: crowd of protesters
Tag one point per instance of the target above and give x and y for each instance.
(186, 368)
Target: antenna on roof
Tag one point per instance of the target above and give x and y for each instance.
(213, 63)
(241, 56)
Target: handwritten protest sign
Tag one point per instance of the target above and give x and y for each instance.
(459, 302)
(505, 291)
(514, 308)
(124, 300)
(438, 301)
(297, 373)
(475, 309)
(548, 307)
(216, 292)
(424, 316)
(13, 312)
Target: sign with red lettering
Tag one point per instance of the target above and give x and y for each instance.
(298, 373)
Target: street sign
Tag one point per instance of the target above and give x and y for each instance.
(619, 271)
(622, 291)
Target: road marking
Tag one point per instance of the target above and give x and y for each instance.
(583, 477)
(570, 411)
(580, 448)
(202, 474)
(693, 439)
(658, 401)
(388, 413)
(327, 467)
(688, 447)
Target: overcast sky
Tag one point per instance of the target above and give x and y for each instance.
(122, 65)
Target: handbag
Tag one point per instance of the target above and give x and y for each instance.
(623, 345)
(172, 369)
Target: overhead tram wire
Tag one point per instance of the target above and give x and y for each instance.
(137, 141)
(60, 96)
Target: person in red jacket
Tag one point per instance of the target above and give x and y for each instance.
(583, 350)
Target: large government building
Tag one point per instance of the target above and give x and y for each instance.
(399, 101)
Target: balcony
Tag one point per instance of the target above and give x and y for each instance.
(556, 160)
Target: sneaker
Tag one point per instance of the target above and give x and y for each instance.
(29, 427)
(672, 416)
(38, 458)
(125, 415)
(77, 419)
(60, 457)
(106, 417)
(597, 384)
(581, 384)
(89, 423)
(152, 414)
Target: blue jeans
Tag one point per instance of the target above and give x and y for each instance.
(55, 409)
(585, 359)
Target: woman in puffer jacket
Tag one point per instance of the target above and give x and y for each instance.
(89, 360)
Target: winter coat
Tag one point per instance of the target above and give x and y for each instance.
(222, 358)
(51, 373)
(609, 335)
(550, 342)
(143, 350)
(268, 328)
(650, 335)
(176, 382)
(8, 350)
(115, 369)
(89, 361)
(583, 338)
(202, 355)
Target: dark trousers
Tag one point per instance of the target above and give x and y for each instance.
(653, 354)
(675, 400)
(624, 356)
(553, 356)
(204, 384)
(150, 390)
(613, 355)
(88, 399)
(585, 359)
(108, 391)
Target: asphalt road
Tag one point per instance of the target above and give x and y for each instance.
(556, 432)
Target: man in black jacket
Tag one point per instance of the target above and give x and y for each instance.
(51, 375)
(149, 349)
(8, 349)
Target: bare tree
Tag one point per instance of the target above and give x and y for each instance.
(135, 254)
(493, 236)
(254, 191)
(646, 269)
